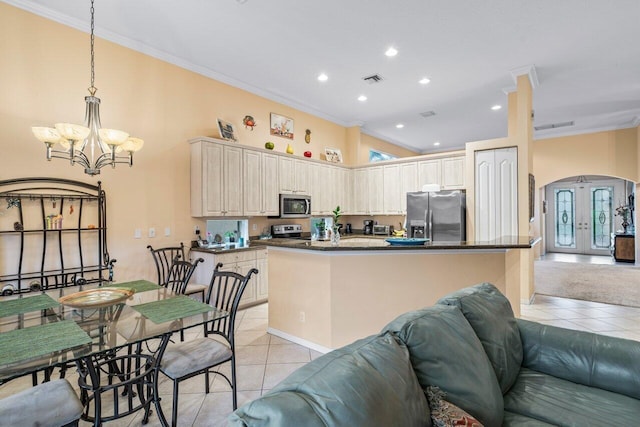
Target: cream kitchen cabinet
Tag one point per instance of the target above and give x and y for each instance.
(453, 173)
(293, 175)
(446, 172)
(360, 205)
(216, 176)
(343, 189)
(399, 179)
(241, 262)
(262, 264)
(368, 189)
(260, 190)
(323, 189)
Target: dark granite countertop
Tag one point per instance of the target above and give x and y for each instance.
(360, 243)
(228, 249)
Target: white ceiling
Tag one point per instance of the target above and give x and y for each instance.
(586, 55)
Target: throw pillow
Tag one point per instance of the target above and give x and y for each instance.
(446, 414)
(491, 317)
(446, 352)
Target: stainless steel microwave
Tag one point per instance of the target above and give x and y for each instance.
(295, 206)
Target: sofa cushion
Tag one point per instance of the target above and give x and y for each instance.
(518, 420)
(367, 383)
(491, 317)
(586, 358)
(445, 352)
(564, 403)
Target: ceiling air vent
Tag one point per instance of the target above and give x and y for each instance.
(428, 114)
(375, 78)
(554, 125)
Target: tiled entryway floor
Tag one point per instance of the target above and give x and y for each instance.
(264, 360)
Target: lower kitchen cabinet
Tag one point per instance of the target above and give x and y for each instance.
(241, 262)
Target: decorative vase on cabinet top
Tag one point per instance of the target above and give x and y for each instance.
(289, 149)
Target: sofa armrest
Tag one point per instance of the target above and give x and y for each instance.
(585, 358)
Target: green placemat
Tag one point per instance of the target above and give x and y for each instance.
(25, 305)
(171, 309)
(35, 341)
(138, 286)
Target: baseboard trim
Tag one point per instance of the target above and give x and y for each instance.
(296, 340)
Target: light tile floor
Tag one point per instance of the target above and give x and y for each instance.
(264, 360)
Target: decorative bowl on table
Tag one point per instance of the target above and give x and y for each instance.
(99, 297)
(406, 241)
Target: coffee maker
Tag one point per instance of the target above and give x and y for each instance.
(368, 226)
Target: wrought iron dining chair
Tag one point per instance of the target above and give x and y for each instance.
(188, 359)
(53, 403)
(164, 259)
(128, 375)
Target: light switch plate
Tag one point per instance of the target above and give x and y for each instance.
(152, 232)
(137, 233)
(167, 231)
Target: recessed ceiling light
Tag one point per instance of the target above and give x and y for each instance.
(496, 107)
(424, 81)
(399, 125)
(362, 98)
(436, 143)
(323, 77)
(391, 52)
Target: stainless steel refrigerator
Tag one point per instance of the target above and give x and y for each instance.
(437, 215)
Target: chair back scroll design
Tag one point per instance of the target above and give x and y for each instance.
(164, 259)
(180, 273)
(224, 293)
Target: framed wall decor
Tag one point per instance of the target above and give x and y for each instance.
(333, 155)
(532, 198)
(226, 130)
(281, 126)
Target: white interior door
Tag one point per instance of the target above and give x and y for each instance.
(580, 216)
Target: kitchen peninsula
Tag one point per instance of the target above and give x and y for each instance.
(325, 296)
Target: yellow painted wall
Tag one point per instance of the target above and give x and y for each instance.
(611, 153)
(368, 142)
(43, 80)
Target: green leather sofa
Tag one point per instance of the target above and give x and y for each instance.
(502, 370)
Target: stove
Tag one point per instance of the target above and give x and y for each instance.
(286, 230)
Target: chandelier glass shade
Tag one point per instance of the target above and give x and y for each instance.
(90, 145)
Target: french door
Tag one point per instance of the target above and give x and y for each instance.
(580, 216)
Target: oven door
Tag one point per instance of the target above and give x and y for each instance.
(295, 206)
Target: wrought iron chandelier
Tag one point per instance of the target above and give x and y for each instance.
(104, 146)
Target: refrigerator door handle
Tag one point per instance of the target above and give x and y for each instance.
(428, 222)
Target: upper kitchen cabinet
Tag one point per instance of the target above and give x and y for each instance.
(453, 173)
(368, 188)
(294, 175)
(216, 177)
(323, 189)
(446, 172)
(343, 188)
(399, 179)
(260, 190)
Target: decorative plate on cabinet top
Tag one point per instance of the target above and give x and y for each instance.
(406, 241)
(99, 297)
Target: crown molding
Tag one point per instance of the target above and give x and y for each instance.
(635, 122)
(529, 70)
(579, 131)
(390, 140)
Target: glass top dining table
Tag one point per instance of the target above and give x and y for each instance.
(37, 331)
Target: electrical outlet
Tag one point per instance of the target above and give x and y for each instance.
(167, 231)
(255, 227)
(137, 233)
(302, 317)
(152, 232)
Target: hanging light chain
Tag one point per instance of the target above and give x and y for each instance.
(92, 89)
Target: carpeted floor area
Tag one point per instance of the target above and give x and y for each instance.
(611, 284)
